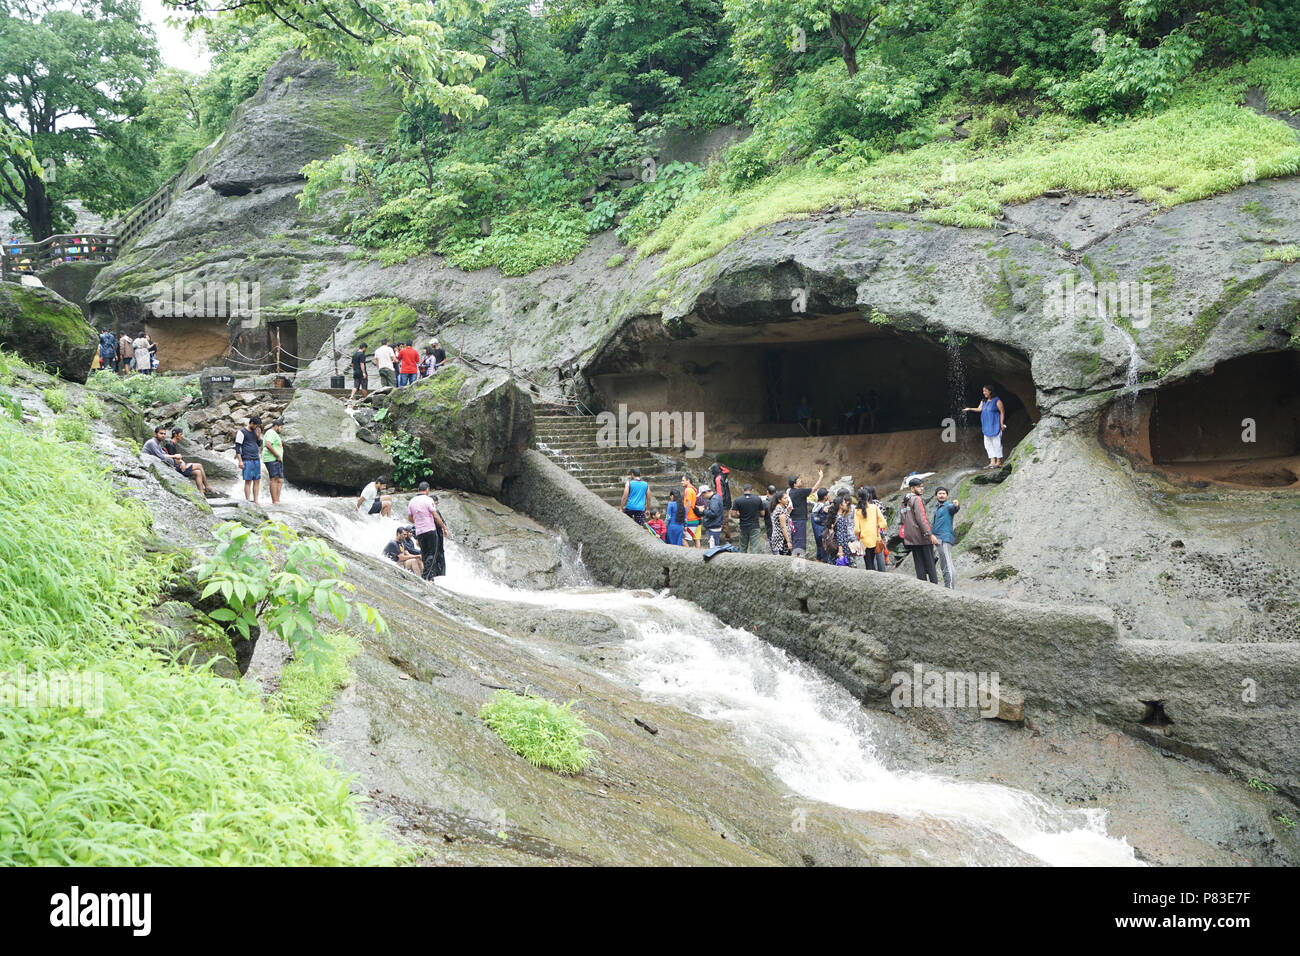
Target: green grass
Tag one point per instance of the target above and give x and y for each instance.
(10, 364)
(143, 390)
(56, 399)
(306, 694)
(92, 408)
(179, 766)
(544, 733)
(1288, 253)
(72, 428)
(1194, 149)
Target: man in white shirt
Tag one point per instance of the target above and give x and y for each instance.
(384, 356)
(374, 500)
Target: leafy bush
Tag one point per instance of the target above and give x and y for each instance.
(11, 406)
(282, 580)
(410, 464)
(544, 733)
(92, 408)
(56, 398)
(160, 764)
(143, 390)
(71, 428)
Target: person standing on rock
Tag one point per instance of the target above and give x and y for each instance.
(408, 365)
(107, 350)
(636, 497)
(782, 541)
(273, 458)
(870, 527)
(124, 353)
(143, 357)
(439, 355)
(749, 508)
(384, 361)
(993, 423)
(945, 512)
(675, 524)
(798, 496)
(818, 516)
(430, 532)
(918, 537)
(690, 494)
(360, 381)
(428, 362)
(373, 499)
(248, 456)
(712, 516)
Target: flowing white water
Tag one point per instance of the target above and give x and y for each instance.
(811, 732)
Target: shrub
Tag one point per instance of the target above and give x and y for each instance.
(280, 579)
(56, 399)
(410, 464)
(143, 390)
(544, 733)
(71, 428)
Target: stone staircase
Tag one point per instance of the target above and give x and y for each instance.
(570, 441)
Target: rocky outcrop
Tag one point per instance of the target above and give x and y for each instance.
(321, 447)
(46, 329)
(472, 425)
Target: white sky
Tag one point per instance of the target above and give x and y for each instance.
(176, 50)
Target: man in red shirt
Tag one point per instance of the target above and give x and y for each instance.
(408, 367)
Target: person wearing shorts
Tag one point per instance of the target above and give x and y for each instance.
(373, 501)
(248, 456)
(273, 458)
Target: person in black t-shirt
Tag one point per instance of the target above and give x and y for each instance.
(749, 508)
(799, 511)
(360, 380)
(403, 550)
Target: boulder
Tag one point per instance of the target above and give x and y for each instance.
(321, 446)
(474, 426)
(45, 328)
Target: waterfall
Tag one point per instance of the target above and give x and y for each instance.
(810, 732)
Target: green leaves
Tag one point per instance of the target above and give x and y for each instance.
(274, 577)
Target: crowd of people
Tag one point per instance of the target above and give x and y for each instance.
(253, 447)
(844, 527)
(398, 366)
(126, 354)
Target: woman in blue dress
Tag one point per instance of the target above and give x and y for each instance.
(675, 519)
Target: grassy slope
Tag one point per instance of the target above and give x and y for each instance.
(181, 767)
(1203, 144)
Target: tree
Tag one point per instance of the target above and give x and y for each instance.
(71, 80)
(391, 41)
(763, 24)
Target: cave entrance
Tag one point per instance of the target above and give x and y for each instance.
(1238, 424)
(881, 400)
(284, 346)
(189, 344)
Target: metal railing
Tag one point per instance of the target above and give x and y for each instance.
(25, 257)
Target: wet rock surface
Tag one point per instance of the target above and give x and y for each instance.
(322, 446)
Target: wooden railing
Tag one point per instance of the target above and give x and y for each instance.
(23, 257)
(146, 212)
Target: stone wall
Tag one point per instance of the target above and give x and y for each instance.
(860, 628)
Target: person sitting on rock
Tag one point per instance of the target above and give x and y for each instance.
(404, 551)
(374, 500)
(804, 416)
(192, 470)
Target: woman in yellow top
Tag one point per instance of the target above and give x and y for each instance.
(869, 526)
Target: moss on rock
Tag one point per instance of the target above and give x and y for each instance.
(46, 329)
